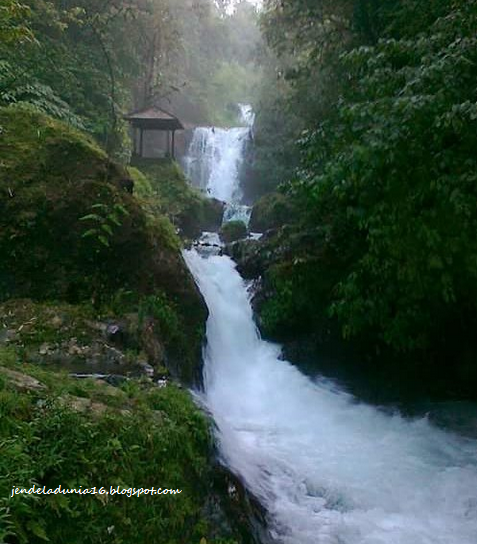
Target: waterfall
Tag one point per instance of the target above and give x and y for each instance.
(328, 469)
(213, 163)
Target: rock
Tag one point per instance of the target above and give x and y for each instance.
(118, 334)
(271, 212)
(146, 368)
(20, 381)
(151, 343)
(56, 322)
(232, 231)
(232, 502)
(110, 355)
(115, 380)
(44, 349)
(213, 215)
(7, 335)
(189, 210)
(81, 404)
(249, 257)
(143, 254)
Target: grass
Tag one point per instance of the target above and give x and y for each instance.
(139, 436)
(162, 187)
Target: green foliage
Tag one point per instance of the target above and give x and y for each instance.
(386, 184)
(214, 65)
(87, 62)
(142, 186)
(396, 167)
(164, 189)
(159, 307)
(232, 83)
(272, 211)
(14, 19)
(104, 219)
(157, 439)
(233, 231)
(50, 177)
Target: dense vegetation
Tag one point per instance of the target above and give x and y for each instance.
(89, 62)
(386, 187)
(92, 280)
(58, 431)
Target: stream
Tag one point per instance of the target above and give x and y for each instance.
(327, 468)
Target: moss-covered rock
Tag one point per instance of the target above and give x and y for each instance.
(83, 340)
(162, 184)
(233, 231)
(70, 230)
(272, 211)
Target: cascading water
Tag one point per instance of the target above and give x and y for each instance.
(213, 163)
(328, 469)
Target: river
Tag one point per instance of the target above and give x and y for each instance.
(327, 468)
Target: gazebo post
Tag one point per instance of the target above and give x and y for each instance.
(141, 140)
(173, 153)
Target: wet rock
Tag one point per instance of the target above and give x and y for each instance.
(115, 380)
(235, 512)
(45, 349)
(214, 215)
(248, 256)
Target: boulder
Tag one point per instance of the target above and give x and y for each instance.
(233, 231)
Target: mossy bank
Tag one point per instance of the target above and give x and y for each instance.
(71, 230)
(100, 320)
(163, 186)
(55, 430)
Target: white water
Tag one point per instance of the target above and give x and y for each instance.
(213, 163)
(328, 470)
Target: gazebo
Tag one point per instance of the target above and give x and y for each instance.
(154, 120)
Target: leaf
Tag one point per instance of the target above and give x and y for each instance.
(107, 228)
(92, 217)
(38, 530)
(114, 219)
(121, 209)
(103, 240)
